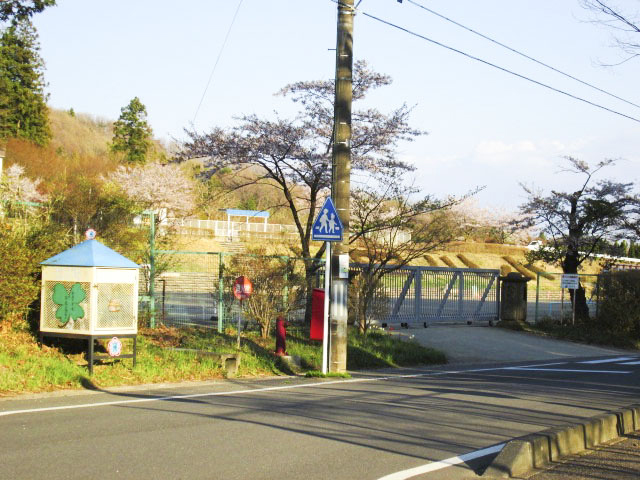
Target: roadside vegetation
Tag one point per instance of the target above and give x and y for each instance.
(65, 172)
(616, 324)
(26, 367)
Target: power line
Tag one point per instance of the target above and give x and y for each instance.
(506, 70)
(520, 53)
(217, 60)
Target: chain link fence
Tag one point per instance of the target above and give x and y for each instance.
(194, 289)
(548, 300)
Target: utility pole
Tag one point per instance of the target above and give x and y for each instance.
(341, 182)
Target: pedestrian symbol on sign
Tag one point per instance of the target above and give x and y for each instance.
(327, 227)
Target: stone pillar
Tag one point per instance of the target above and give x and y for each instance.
(513, 297)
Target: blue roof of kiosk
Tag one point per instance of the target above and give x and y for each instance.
(246, 213)
(90, 253)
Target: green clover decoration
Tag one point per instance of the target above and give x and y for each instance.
(69, 302)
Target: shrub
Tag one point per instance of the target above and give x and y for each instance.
(22, 247)
(447, 261)
(619, 303)
(505, 270)
(275, 286)
(467, 261)
(519, 267)
(431, 260)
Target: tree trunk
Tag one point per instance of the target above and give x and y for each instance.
(582, 309)
(570, 265)
(310, 269)
(264, 329)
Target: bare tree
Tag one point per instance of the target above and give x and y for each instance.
(390, 230)
(575, 223)
(625, 23)
(294, 155)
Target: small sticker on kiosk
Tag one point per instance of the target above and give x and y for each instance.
(114, 347)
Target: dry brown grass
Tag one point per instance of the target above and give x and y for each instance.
(539, 270)
(80, 134)
(485, 248)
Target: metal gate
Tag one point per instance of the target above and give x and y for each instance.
(194, 289)
(426, 295)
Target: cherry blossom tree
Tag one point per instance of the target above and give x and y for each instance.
(294, 155)
(158, 187)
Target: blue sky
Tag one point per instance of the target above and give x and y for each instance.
(485, 127)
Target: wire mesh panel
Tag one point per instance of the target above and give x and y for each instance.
(196, 288)
(548, 300)
(186, 288)
(116, 308)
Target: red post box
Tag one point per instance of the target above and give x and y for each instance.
(317, 314)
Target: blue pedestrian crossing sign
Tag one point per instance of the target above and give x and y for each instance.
(327, 227)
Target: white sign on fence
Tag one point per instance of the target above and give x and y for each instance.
(570, 281)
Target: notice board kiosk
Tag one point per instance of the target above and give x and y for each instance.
(90, 292)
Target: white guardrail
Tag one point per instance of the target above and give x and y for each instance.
(234, 230)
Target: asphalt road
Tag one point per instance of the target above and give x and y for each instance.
(476, 345)
(368, 427)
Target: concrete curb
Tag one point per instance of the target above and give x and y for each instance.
(521, 456)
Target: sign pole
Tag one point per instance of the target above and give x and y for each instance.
(573, 319)
(239, 316)
(325, 321)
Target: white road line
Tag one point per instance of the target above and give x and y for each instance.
(449, 462)
(541, 365)
(637, 362)
(565, 370)
(272, 389)
(609, 360)
(239, 392)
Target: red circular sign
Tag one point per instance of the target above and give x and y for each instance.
(242, 288)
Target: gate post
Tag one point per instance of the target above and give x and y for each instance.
(417, 293)
(220, 291)
(537, 295)
(152, 269)
(461, 295)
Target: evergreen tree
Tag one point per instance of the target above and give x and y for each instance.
(20, 9)
(132, 133)
(23, 108)
(624, 249)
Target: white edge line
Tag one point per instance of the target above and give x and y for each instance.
(608, 360)
(266, 389)
(449, 462)
(238, 392)
(566, 370)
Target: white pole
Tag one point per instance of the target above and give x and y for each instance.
(325, 324)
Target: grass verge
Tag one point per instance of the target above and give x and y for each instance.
(591, 334)
(26, 366)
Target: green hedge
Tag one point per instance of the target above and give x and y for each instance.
(619, 303)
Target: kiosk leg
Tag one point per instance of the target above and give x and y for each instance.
(90, 340)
